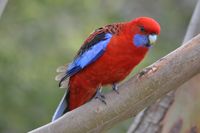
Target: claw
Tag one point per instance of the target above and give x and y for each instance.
(115, 88)
(100, 96)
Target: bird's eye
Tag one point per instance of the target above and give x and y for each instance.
(142, 29)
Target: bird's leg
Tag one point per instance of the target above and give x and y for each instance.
(115, 88)
(100, 96)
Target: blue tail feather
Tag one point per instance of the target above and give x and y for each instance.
(62, 107)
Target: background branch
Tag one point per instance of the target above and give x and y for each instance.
(137, 93)
(194, 25)
(2, 6)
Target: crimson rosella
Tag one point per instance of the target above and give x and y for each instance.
(107, 56)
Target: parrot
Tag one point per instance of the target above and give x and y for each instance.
(106, 57)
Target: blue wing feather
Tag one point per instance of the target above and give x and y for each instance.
(89, 56)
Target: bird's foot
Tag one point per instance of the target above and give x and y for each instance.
(100, 96)
(115, 88)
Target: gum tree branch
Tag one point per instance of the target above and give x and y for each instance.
(137, 93)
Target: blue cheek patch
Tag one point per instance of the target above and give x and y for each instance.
(140, 40)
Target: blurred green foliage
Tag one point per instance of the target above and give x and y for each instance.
(39, 35)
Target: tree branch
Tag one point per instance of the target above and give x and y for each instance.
(137, 93)
(149, 120)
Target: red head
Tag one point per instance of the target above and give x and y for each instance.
(143, 30)
(146, 25)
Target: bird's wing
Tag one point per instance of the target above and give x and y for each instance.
(93, 48)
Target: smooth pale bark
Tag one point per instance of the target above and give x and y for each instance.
(137, 93)
(2, 6)
(194, 26)
(151, 119)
